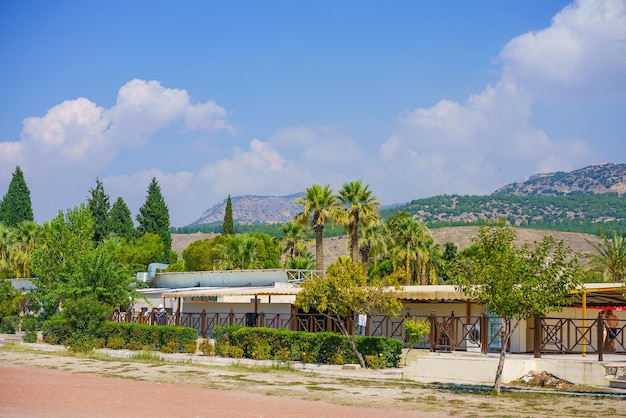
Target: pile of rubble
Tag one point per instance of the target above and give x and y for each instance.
(543, 379)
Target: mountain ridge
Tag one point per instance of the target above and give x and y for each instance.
(550, 198)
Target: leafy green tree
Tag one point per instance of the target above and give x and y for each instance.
(360, 207)
(415, 330)
(609, 259)
(205, 254)
(516, 284)
(344, 292)
(228, 227)
(120, 220)
(319, 205)
(137, 253)
(68, 265)
(99, 206)
(154, 217)
(16, 206)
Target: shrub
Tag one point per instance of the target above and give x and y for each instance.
(56, 330)
(191, 348)
(390, 348)
(282, 354)
(309, 357)
(115, 343)
(135, 345)
(82, 344)
(222, 349)
(170, 347)
(207, 348)
(235, 352)
(99, 342)
(30, 323)
(9, 324)
(260, 350)
(30, 337)
(376, 361)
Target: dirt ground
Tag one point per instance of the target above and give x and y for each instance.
(51, 384)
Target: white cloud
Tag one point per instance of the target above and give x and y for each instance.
(581, 56)
(477, 146)
(64, 151)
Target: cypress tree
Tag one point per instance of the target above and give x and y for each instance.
(154, 217)
(121, 221)
(16, 206)
(228, 227)
(99, 207)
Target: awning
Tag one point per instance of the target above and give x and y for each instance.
(433, 293)
(600, 295)
(277, 289)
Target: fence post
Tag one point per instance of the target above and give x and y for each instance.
(600, 336)
(231, 317)
(433, 331)
(537, 337)
(294, 318)
(203, 323)
(453, 325)
(260, 320)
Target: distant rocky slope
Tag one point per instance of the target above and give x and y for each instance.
(578, 201)
(254, 209)
(599, 178)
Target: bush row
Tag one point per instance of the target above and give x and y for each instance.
(166, 338)
(320, 347)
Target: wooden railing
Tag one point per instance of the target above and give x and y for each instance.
(448, 333)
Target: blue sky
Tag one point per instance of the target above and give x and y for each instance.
(266, 98)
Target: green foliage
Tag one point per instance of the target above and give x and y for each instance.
(573, 212)
(82, 343)
(516, 283)
(283, 345)
(15, 206)
(136, 254)
(121, 222)
(235, 352)
(154, 217)
(609, 259)
(85, 315)
(375, 362)
(228, 227)
(56, 330)
(99, 206)
(115, 343)
(203, 255)
(390, 348)
(415, 330)
(207, 348)
(69, 266)
(171, 338)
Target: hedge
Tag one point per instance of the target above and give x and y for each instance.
(322, 347)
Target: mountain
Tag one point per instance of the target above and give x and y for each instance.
(602, 178)
(579, 201)
(254, 209)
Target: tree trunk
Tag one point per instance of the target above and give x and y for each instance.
(319, 247)
(354, 240)
(350, 338)
(506, 337)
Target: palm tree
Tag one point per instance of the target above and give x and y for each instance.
(239, 253)
(609, 260)
(319, 204)
(294, 233)
(360, 208)
(372, 244)
(408, 246)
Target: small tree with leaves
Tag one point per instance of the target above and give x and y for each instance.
(516, 284)
(415, 330)
(16, 206)
(345, 292)
(154, 216)
(228, 227)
